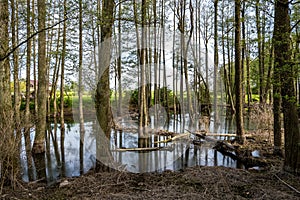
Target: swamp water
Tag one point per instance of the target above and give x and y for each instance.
(71, 155)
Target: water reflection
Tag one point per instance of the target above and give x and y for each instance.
(69, 153)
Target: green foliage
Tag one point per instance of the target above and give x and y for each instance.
(165, 97)
(23, 105)
(134, 97)
(68, 101)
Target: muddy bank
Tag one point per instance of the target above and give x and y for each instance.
(191, 183)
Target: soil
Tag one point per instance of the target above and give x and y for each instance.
(199, 182)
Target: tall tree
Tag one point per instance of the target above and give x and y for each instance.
(216, 57)
(27, 106)
(238, 75)
(119, 62)
(102, 96)
(39, 140)
(206, 33)
(6, 132)
(62, 69)
(80, 87)
(283, 66)
(15, 38)
(143, 61)
(28, 60)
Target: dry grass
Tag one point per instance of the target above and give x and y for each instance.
(191, 183)
(262, 115)
(9, 157)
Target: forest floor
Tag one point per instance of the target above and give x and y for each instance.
(199, 182)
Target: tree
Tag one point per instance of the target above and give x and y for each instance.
(6, 131)
(39, 140)
(216, 58)
(238, 75)
(62, 69)
(15, 38)
(143, 61)
(283, 65)
(81, 119)
(206, 33)
(102, 96)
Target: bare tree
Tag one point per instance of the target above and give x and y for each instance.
(238, 75)
(39, 140)
(102, 97)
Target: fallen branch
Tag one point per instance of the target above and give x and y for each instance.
(232, 151)
(143, 149)
(288, 185)
(221, 134)
(243, 156)
(174, 138)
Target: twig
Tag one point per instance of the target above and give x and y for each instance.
(36, 181)
(289, 186)
(142, 189)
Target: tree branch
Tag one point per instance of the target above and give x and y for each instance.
(295, 25)
(30, 37)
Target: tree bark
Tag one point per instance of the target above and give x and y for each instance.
(62, 70)
(283, 65)
(80, 88)
(216, 58)
(238, 75)
(102, 97)
(39, 140)
(6, 131)
(17, 94)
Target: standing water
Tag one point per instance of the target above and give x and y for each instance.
(79, 155)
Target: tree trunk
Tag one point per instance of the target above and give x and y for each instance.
(120, 63)
(216, 58)
(259, 43)
(6, 131)
(102, 97)
(17, 94)
(282, 56)
(80, 88)
(238, 75)
(143, 61)
(28, 62)
(39, 140)
(62, 69)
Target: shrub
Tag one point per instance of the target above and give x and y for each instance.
(9, 154)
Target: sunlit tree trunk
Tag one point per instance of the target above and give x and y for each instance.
(80, 88)
(62, 69)
(185, 46)
(56, 73)
(143, 61)
(102, 97)
(39, 140)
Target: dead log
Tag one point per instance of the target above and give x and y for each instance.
(143, 149)
(233, 151)
(244, 156)
(181, 136)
